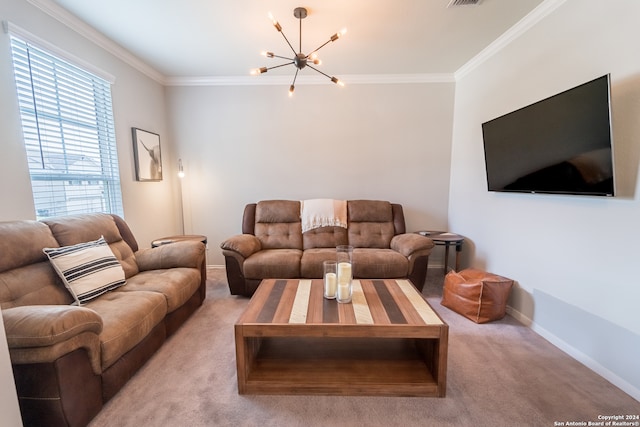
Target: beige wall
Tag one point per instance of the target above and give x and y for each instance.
(242, 144)
(573, 257)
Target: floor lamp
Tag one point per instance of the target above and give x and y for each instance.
(181, 178)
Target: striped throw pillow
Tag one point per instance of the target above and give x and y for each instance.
(88, 270)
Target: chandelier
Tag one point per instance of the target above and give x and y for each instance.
(299, 60)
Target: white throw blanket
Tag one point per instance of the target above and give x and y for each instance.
(315, 213)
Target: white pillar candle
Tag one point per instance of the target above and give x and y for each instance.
(330, 285)
(343, 291)
(344, 273)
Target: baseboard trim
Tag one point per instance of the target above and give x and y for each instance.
(576, 354)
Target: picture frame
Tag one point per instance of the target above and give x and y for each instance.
(147, 155)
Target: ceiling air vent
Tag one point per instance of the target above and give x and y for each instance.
(453, 3)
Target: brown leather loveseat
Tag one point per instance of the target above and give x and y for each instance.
(273, 245)
(69, 359)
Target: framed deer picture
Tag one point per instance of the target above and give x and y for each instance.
(148, 158)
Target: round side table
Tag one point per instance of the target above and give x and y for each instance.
(446, 239)
(178, 238)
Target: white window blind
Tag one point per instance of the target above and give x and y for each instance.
(67, 122)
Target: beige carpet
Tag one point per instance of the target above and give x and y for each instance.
(499, 374)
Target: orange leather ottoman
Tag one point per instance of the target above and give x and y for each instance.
(476, 294)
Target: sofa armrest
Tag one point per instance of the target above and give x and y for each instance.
(186, 253)
(410, 244)
(242, 244)
(44, 333)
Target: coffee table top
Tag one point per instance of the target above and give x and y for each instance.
(394, 305)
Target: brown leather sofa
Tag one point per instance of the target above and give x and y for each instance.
(273, 245)
(68, 360)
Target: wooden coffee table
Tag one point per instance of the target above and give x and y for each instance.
(387, 342)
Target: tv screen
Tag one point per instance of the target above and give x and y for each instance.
(560, 145)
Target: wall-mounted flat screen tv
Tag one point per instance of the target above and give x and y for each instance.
(560, 145)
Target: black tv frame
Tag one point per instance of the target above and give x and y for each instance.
(542, 147)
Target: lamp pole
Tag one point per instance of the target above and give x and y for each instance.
(181, 178)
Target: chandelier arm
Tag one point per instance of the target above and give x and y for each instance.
(300, 35)
(287, 40)
(282, 57)
(315, 69)
(321, 46)
(295, 76)
(278, 66)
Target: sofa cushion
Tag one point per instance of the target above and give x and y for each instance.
(312, 259)
(87, 269)
(379, 264)
(127, 318)
(278, 224)
(176, 284)
(31, 285)
(369, 211)
(273, 263)
(22, 243)
(370, 234)
(370, 223)
(324, 237)
(26, 276)
(74, 229)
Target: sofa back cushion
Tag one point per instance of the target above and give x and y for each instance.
(324, 237)
(26, 276)
(370, 223)
(277, 224)
(74, 229)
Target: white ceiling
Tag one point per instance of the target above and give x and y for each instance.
(197, 38)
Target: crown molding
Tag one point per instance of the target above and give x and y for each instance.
(349, 79)
(63, 16)
(536, 15)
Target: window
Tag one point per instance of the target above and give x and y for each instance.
(67, 123)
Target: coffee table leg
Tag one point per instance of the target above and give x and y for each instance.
(246, 351)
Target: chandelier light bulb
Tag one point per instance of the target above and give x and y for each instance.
(274, 22)
(339, 34)
(313, 58)
(291, 89)
(257, 71)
